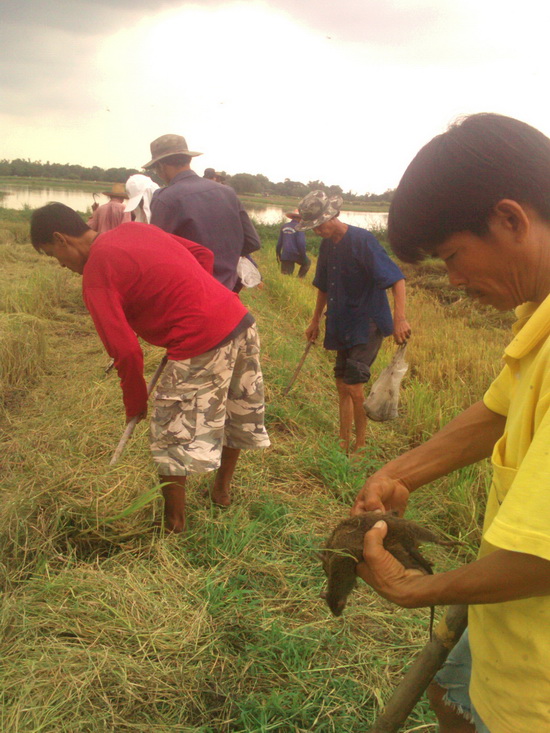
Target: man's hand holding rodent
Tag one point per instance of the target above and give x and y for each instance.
(381, 493)
(383, 572)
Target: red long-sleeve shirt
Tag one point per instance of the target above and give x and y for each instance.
(141, 280)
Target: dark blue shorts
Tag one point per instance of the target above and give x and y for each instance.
(353, 365)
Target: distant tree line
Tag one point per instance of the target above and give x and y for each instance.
(259, 184)
(68, 171)
(241, 182)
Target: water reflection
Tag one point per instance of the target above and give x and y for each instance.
(19, 196)
(276, 215)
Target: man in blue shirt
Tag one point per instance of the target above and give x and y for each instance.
(200, 209)
(291, 247)
(352, 276)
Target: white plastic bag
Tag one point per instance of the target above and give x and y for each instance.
(248, 272)
(381, 404)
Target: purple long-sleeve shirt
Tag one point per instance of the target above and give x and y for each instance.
(208, 213)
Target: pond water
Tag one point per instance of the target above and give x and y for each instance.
(18, 196)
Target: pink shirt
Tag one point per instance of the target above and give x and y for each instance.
(108, 216)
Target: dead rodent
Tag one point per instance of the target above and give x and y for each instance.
(344, 550)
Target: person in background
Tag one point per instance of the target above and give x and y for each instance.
(213, 175)
(140, 191)
(352, 276)
(140, 281)
(291, 247)
(200, 209)
(110, 215)
(478, 197)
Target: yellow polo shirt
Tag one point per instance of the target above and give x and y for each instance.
(510, 641)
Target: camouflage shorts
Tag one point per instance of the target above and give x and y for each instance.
(206, 402)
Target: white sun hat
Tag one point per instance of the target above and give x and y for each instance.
(140, 187)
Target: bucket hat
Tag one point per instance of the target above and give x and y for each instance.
(117, 191)
(316, 208)
(167, 145)
(140, 187)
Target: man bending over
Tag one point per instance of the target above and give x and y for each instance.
(209, 404)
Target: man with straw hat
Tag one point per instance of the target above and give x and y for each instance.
(200, 209)
(352, 276)
(291, 247)
(110, 215)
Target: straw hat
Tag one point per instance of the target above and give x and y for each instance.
(293, 214)
(117, 191)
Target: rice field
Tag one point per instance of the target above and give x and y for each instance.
(109, 626)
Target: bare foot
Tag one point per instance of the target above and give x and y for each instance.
(166, 528)
(358, 453)
(220, 498)
(344, 446)
(217, 497)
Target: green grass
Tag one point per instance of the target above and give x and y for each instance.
(64, 183)
(107, 626)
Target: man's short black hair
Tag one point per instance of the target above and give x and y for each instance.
(456, 180)
(209, 173)
(55, 217)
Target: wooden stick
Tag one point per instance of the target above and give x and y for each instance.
(133, 422)
(421, 672)
(297, 370)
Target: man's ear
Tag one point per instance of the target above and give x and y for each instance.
(59, 239)
(511, 217)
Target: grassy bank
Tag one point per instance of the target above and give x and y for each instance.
(65, 183)
(290, 203)
(107, 626)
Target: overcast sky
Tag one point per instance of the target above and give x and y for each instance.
(345, 92)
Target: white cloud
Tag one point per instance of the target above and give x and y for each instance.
(290, 88)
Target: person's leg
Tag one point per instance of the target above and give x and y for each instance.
(244, 412)
(357, 398)
(356, 375)
(345, 411)
(173, 493)
(345, 406)
(304, 267)
(449, 694)
(449, 719)
(287, 267)
(220, 490)
(186, 428)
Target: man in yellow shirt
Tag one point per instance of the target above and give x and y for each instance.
(478, 197)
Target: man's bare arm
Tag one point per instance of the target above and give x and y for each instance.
(401, 327)
(467, 439)
(498, 577)
(312, 331)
